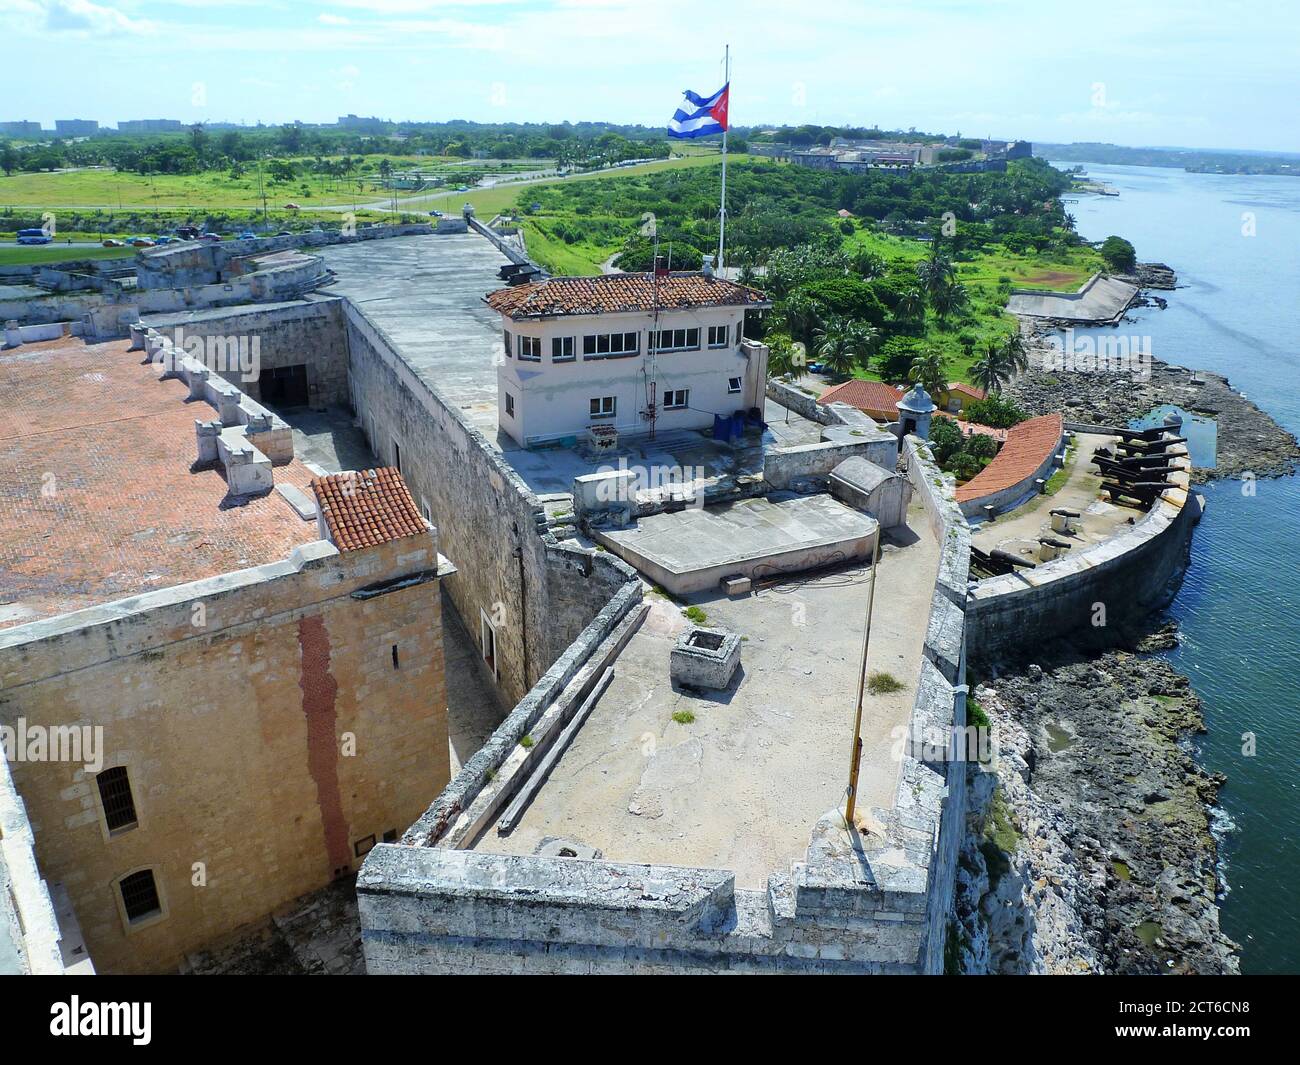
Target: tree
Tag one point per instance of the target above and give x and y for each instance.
(936, 272)
(784, 359)
(949, 299)
(928, 370)
(1119, 255)
(836, 345)
(996, 412)
(9, 158)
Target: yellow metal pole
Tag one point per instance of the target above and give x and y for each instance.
(855, 757)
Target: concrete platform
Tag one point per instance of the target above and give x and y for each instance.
(738, 777)
(691, 550)
(1100, 299)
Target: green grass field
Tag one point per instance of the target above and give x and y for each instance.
(25, 255)
(988, 276)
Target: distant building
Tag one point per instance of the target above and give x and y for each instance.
(357, 122)
(149, 125)
(577, 354)
(21, 129)
(75, 127)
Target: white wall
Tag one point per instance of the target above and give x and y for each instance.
(552, 400)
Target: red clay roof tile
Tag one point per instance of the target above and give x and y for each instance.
(870, 397)
(1027, 447)
(614, 293)
(366, 508)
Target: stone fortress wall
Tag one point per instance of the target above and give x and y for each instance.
(878, 904)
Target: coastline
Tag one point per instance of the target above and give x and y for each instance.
(1089, 845)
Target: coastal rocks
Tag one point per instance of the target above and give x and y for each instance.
(1090, 851)
(1151, 275)
(1249, 441)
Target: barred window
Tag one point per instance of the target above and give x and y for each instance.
(115, 794)
(140, 895)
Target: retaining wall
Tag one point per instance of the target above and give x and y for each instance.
(1131, 574)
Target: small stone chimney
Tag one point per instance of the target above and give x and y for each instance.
(707, 267)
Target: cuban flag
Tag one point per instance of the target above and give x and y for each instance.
(701, 116)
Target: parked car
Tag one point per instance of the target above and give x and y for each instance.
(248, 234)
(187, 232)
(816, 367)
(113, 242)
(163, 239)
(140, 242)
(436, 214)
(285, 233)
(292, 207)
(214, 238)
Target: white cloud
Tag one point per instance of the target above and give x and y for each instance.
(84, 17)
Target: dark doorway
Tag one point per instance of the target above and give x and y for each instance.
(284, 386)
(909, 426)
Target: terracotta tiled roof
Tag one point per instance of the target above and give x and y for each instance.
(966, 390)
(1027, 447)
(366, 508)
(612, 293)
(870, 397)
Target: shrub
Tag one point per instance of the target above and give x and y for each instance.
(1118, 253)
(945, 439)
(981, 446)
(996, 411)
(696, 615)
(683, 717)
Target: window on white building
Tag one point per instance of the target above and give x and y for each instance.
(609, 345)
(509, 350)
(678, 340)
(510, 405)
(718, 335)
(530, 349)
(562, 349)
(603, 406)
(677, 398)
(734, 384)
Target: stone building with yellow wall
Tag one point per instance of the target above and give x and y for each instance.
(213, 701)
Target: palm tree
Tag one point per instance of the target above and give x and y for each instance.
(862, 339)
(784, 359)
(801, 315)
(833, 345)
(991, 371)
(936, 272)
(949, 299)
(928, 371)
(1001, 362)
(1016, 352)
(911, 304)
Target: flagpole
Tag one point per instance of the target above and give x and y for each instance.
(722, 209)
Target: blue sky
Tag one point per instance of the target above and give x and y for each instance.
(1199, 74)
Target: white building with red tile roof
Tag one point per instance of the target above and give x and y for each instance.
(617, 349)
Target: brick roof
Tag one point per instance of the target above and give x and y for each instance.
(128, 516)
(614, 293)
(366, 508)
(1027, 447)
(867, 396)
(966, 390)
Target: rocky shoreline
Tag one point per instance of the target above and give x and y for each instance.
(1250, 443)
(1088, 847)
